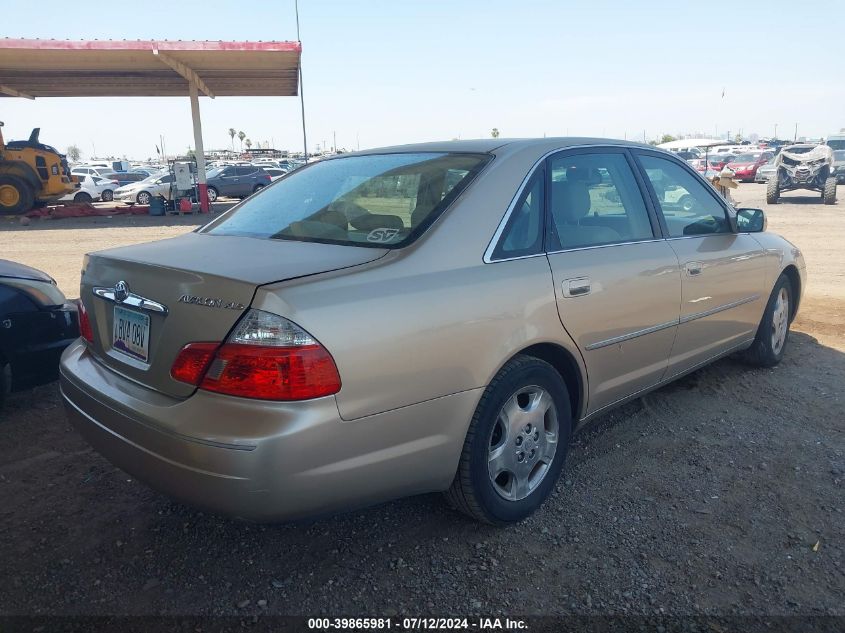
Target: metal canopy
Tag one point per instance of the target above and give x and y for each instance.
(33, 68)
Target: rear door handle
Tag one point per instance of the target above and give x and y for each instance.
(576, 287)
(693, 268)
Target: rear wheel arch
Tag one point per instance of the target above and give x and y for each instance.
(565, 364)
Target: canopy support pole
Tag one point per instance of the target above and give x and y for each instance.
(199, 151)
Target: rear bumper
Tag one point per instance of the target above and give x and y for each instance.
(259, 460)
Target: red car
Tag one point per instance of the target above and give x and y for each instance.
(746, 165)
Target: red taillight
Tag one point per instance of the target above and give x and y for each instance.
(272, 373)
(192, 361)
(266, 357)
(85, 330)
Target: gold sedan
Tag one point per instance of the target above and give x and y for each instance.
(436, 317)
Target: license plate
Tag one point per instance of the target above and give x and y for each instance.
(131, 333)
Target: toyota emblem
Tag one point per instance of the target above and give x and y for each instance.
(121, 291)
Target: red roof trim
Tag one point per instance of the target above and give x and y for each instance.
(146, 45)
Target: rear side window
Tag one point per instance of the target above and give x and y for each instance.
(245, 171)
(523, 234)
(379, 200)
(688, 205)
(595, 200)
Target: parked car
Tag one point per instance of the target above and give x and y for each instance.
(839, 165)
(87, 170)
(745, 165)
(718, 162)
(92, 188)
(236, 181)
(36, 324)
(124, 178)
(764, 172)
(430, 317)
(144, 191)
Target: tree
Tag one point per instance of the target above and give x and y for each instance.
(241, 137)
(248, 143)
(667, 138)
(738, 138)
(232, 133)
(73, 153)
(494, 132)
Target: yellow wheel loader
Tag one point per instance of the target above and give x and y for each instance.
(31, 173)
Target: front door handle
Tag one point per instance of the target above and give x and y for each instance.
(576, 287)
(693, 268)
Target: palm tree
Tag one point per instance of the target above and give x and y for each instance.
(248, 143)
(241, 137)
(232, 133)
(494, 132)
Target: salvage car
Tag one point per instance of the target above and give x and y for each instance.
(36, 324)
(803, 166)
(433, 317)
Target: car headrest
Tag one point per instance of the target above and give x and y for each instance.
(570, 200)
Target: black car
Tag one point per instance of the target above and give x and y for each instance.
(36, 324)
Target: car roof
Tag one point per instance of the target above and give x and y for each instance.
(494, 145)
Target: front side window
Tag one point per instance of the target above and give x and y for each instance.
(594, 200)
(688, 205)
(379, 200)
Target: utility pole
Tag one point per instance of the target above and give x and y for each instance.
(776, 131)
(301, 87)
(334, 142)
(795, 138)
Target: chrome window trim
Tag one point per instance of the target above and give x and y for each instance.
(136, 301)
(717, 309)
(587, 248)
(494, 242)
(631, 335)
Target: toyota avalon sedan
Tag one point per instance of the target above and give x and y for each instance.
(435, 317)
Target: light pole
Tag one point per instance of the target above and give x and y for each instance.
(301, 88)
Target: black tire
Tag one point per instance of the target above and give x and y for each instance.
(773, 189)
(762, 352)
(107, 195)
(82, 198)
(212, 194)
(144, 198)
(473, 492)
(829, 192)
(16, 196)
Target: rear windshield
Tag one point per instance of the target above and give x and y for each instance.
(748, 158)
(379, 200)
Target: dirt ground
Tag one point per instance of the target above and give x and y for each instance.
(719, 494)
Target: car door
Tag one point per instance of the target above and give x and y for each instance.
(229, 182)
(617, 281)
(247, 177)
(723, 272)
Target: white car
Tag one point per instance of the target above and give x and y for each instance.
(92, 188)
(144, 191)
(91, 170)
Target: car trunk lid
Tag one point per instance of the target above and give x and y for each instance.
(188, 289)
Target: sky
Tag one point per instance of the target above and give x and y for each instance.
(386, 72)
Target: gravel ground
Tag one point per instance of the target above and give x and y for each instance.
(719, 494)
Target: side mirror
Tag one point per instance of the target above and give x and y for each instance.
(750, 220)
